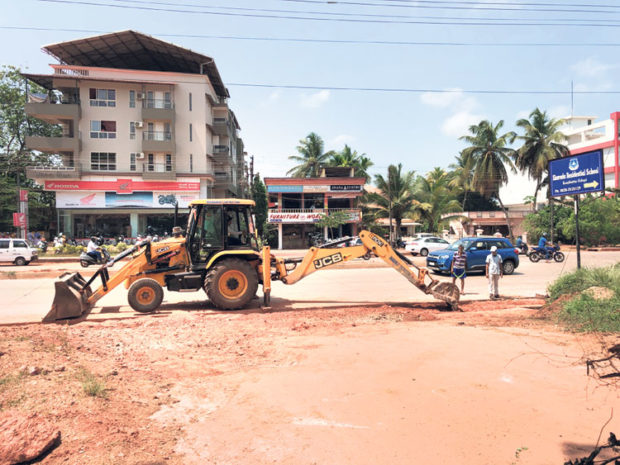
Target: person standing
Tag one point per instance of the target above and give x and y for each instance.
(494, 271)
(459, 267)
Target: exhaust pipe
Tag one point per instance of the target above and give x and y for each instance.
(71, 298)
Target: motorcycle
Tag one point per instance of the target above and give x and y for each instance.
(86, 260)
(548, 252)
(523, 249)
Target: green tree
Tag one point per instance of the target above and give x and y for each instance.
(15, 125)
(259, 195)
(332, 221)
(311, 157)
(491, 155)
(542, 142)
(599, 221)
(396, 195)
(461, 176)
(351, 159)
(539, 222)
(436, 197)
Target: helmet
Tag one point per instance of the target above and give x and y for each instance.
(545, 234)
(94, 238)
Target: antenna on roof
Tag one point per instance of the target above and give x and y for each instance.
(572, 99)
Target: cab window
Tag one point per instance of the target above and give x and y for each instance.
(207, 234)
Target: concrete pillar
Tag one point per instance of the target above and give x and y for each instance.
(326, 233)
(279, 201)
(279, 232)
(204, 184)
(133, 222)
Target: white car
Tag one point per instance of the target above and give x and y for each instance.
(17, 251)
(424, 245)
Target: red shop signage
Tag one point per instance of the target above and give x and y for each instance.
(121, 186)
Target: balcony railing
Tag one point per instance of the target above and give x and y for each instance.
(157, 167)
(220, 149)
(157, 135)
(310, 215)
(157, 103)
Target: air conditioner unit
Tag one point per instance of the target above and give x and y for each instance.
(140, 156)
(141, 95)
(139, 124)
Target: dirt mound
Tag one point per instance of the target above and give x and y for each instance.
(25, 437)
(599, 292)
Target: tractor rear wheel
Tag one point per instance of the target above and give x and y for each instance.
(231, 284)
(145, 295)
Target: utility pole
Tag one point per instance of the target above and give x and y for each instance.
(390, 204)
(252, 170)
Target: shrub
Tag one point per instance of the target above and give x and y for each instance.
(580, 280)
(91, 385)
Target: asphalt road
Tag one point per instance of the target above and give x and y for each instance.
(28, 300)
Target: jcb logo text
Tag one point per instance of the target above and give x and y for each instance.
(329, 260)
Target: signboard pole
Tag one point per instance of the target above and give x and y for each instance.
(577, 239)
(551, 213)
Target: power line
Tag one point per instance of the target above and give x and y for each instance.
(336, 41)
(532, 22)
(503, 3)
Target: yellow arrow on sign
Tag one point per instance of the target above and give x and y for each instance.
(593, 184)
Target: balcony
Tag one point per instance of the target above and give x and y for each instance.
(53, 172)
(54, 112)
(65, 143)
(221, 154)
(220, 126)
(157, 109)
(161, 171)
(224, 181)
(157, 141)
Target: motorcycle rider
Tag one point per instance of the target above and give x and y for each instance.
(542, 245)
(92, 249)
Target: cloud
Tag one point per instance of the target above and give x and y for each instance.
(340, 140)
(315, 100)
(593, 75)
(275, 95)
(463, 110)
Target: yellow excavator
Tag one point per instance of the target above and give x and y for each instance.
(220, 254)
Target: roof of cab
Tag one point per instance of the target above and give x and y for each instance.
(223, 202)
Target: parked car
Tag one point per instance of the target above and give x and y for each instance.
(17, 251)
(424, 245)
(477, 249)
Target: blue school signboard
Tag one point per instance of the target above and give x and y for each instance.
(577, 174)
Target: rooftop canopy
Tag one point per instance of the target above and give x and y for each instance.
(134, 50)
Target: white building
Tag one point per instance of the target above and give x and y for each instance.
(144, 124)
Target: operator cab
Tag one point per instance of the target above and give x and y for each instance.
(217, 225)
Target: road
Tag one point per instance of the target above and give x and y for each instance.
(28, 300)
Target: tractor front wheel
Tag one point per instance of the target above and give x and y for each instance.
(145, 295)
(231, 284)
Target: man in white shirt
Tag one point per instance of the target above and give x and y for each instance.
(494, 271)
(91, 249)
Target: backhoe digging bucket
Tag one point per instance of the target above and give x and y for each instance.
(447, 292)
(71, 299)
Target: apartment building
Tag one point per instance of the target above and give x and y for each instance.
(585, 134)
(142, 125)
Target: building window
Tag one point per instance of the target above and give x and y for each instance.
(103, 129)
(102, 97)
(151, 164)
(102, 161)
(190, 132)
(191, 162)
(132, 130)
(190, 101)
(132, 99)
(132, 161)
(168, 162)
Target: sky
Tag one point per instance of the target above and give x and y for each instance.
(403, 123)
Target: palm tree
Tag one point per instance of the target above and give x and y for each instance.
(491, 155)
(542, 142)
(351, 159)
(395, 197)
(462, 175)
(311, 157)
(437, 198)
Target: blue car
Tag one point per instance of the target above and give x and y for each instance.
(477, 249)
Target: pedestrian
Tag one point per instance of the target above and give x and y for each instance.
(494, 271)
(459, 267)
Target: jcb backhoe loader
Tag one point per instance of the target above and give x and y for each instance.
(220, 254)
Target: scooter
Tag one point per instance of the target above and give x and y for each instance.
(523, 249)
(86, 260)
(551, 252)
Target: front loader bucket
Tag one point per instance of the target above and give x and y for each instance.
(447, 292)
(71, 298)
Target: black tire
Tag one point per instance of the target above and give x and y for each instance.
(558, 257)
(226, 276)
(20, 261)
(145, 295)
(366, 256)
(84, 263)
(508, 267)
(534, 257)
(424, 252)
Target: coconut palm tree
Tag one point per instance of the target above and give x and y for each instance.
(542, 142)
(491, 155)
(351, 159)
(311, 157)
(462, 175)
(433, 190)
(395, 197)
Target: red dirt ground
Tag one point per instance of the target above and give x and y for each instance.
(159, 370)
